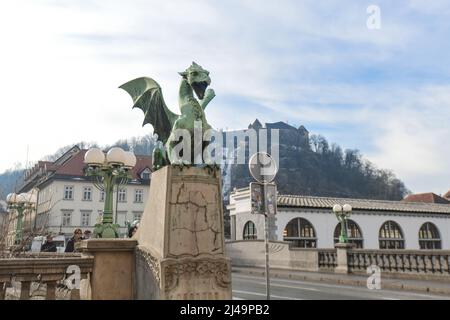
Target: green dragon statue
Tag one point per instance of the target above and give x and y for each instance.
(147, 96)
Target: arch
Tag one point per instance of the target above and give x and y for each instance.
(300, 233)
(429, 236)
(249, 231)
(390, 236)
(354, 234)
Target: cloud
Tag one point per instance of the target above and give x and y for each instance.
(311, 63)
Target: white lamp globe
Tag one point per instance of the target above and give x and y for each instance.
(337, 208)
(115, 156)
(11, 198)
(22, 198)
(347, 208)
(94, 156)
(130, 159)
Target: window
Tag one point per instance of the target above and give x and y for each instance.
(102, 196)
(429, 237)
(353, 233)
(121, 218)
(137, 216)
(391, 236)
(145, 174)
(138, 195)
(300, 233)
(122, 195)
(99, 216)
(250, 231)
(66, 218)
(87, 194)
(68, 193)
(85, 218)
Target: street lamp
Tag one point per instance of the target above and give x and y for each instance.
(20, 203)
(342, 213)
(108, 171)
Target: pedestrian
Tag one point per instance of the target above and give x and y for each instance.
(77, 237)
(87, 234)
(133, 228)
(49, 245)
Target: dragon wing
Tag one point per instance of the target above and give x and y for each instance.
(147, 96)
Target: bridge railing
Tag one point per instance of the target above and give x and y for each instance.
(39, 275)
(426, 263)
(327, 259)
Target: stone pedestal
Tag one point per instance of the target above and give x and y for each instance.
(113, 273)
(181, 237)
(341, 256)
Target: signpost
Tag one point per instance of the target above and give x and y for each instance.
(264, 196)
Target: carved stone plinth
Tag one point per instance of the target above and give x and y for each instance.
(181, 239)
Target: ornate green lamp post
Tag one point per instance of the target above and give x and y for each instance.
(342, 213)
(20, 203)
(108, 171)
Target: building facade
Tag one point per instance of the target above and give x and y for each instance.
(67, 199)
(309, 222)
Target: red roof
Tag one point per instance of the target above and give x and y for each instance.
(428, 197)
(75, 165)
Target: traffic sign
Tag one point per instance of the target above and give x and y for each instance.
(262, 167)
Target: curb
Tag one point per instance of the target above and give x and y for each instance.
(351, 282)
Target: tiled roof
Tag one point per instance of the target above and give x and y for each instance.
(74, 167)
(426, 197)
(361, 204)
(142, 162)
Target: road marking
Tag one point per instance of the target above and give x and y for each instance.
(263, 295)
(283, 286)
(237, 298)
(362, 289)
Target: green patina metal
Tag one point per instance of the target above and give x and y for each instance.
(20, 210)
(342, 218)
(110, 177)
(147, 96)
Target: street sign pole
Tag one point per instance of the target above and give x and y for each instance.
(266, 232)
(263, 169)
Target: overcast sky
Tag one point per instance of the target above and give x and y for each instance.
(385, 92)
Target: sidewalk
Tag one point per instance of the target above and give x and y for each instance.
(432, 287)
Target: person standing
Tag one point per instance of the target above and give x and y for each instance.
(77, 237)
(49, 245)
(87, 234)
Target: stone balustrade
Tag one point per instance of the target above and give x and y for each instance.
(327, 259)
(408, 264)
(46, 271)
(426, 264)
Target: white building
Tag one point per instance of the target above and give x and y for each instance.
(67, 199)
(307, 221)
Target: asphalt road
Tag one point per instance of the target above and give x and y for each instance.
(252, 287)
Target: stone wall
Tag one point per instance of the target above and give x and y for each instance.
(252, 254)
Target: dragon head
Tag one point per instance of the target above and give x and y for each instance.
(198, 78)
